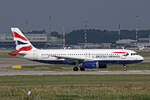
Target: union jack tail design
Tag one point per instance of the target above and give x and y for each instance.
(23, 45)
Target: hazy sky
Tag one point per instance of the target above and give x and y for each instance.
(102, 14)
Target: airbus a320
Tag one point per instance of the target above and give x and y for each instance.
(80, 58)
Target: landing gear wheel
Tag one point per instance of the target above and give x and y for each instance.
(82, 69)
(75, 69)
(124, 68)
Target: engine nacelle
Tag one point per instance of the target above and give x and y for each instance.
(93, 64)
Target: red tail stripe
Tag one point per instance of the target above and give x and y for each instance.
(15, 34)
(27, 48)
(12, 54)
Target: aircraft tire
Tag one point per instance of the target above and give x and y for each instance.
(124, 68)
(75, 69)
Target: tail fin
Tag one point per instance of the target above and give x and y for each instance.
(23, 45)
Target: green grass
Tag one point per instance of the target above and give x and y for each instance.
(138, 66)
(55, 67)
(144, 53)
(5, 55)
(76, 87)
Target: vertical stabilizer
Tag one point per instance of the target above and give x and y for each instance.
(23, 45)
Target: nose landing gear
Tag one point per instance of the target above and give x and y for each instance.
(124, 67)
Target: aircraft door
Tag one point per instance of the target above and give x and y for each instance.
(87, 55)
(124, 56)
(35, 55)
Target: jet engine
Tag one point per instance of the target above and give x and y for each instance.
(93, 64)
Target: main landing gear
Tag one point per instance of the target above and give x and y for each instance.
(76, 67)
(82, 69)
(124, 67)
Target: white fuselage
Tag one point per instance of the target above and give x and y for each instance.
(107, 55)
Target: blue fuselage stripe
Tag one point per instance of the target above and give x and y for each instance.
(100, 61)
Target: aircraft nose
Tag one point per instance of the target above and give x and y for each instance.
(141, 58)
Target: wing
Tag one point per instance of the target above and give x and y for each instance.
(72, 59)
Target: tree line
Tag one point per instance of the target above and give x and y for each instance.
(101, 36)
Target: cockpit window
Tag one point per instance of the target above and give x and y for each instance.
(126, 54)
(133, 54)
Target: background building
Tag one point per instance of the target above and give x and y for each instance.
(38, 39)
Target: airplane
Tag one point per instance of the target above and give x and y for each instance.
(80, 58)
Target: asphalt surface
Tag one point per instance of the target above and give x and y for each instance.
(5, 69)
(21, 72)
